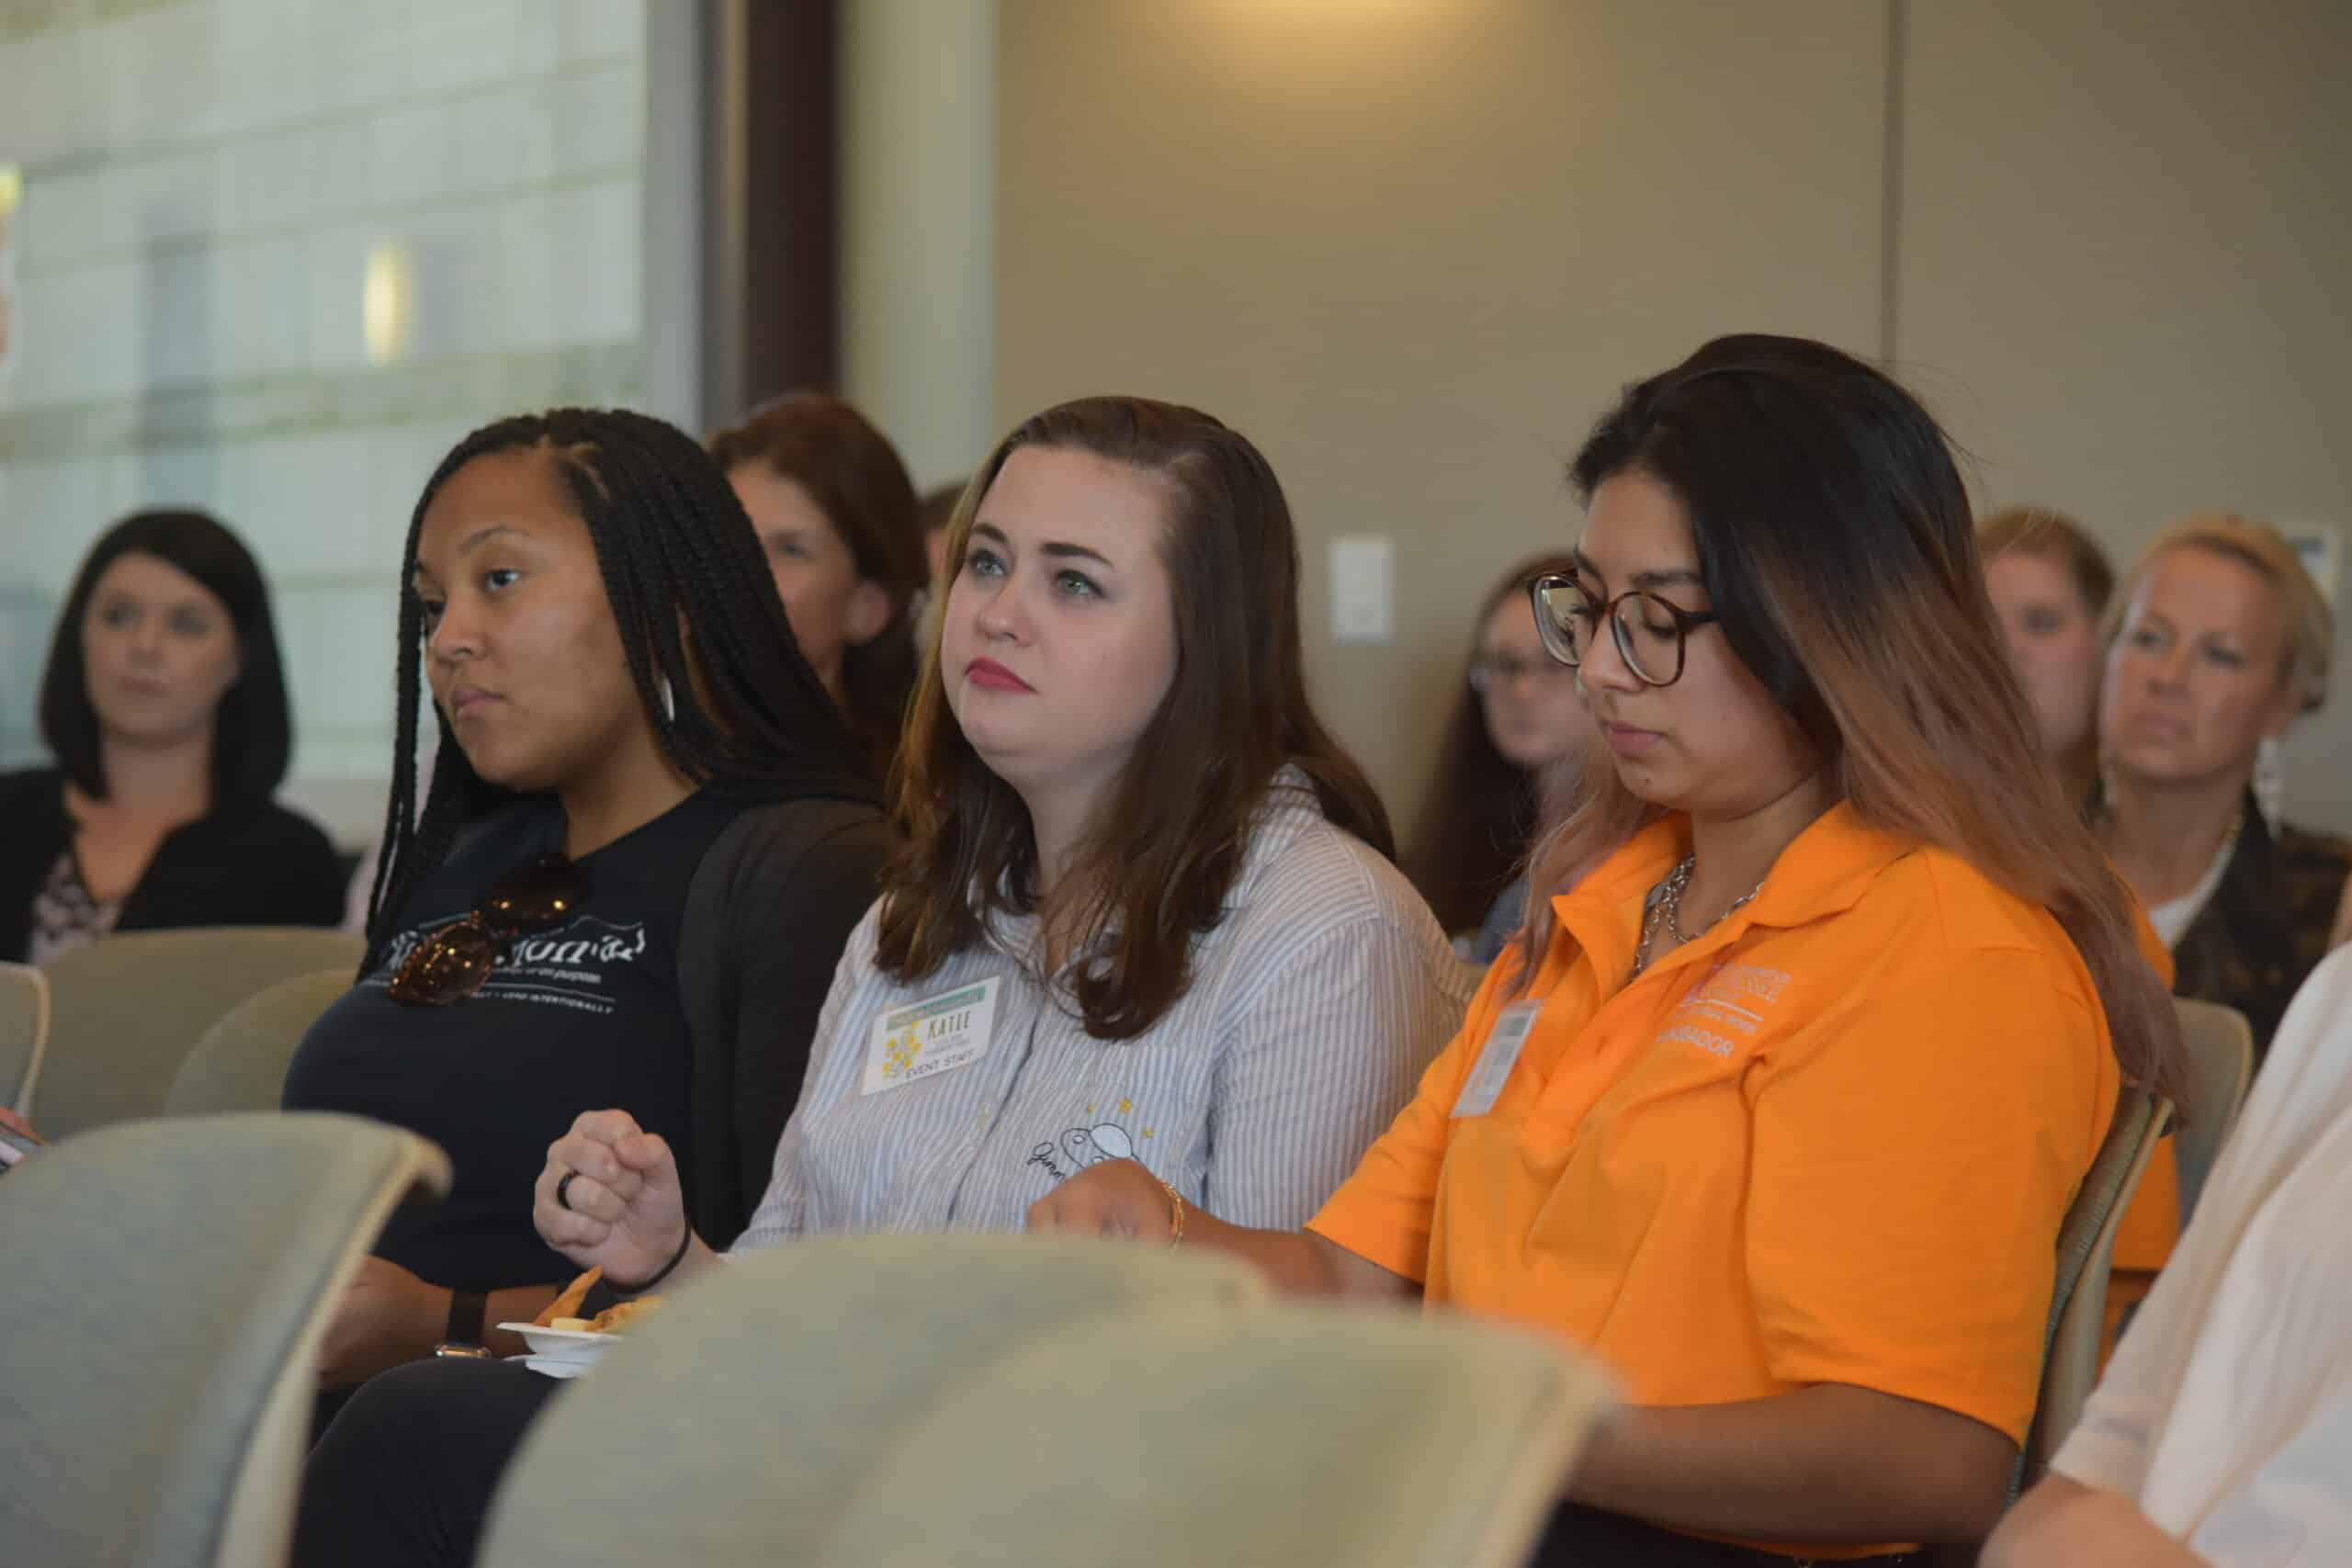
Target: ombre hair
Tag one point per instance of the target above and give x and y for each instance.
(2306, 624)
(1171, 834)
(1833, 534)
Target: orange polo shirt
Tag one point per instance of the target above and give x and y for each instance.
(1830, 1141)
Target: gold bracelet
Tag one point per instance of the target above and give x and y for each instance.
(1175, 1213)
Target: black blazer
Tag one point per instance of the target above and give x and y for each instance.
(249, 863)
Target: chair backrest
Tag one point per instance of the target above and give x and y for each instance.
(2220, 1050)
(2085, 1251)
(1062, 1402)
(166, 1287)
(23, 1032)
(127, 1009)
(852, 1337)
(240, 1065)
(1301, 1437)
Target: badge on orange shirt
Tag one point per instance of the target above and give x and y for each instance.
(1495, 1061)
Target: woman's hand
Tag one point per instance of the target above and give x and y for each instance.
(388, 1317)
(624, 1211)
(1117, 1198)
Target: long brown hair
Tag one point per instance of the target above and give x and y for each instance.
(1170, 838)
(1482, 810)
(855, 475)
(1832, 530)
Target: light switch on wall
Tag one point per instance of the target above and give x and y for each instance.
(1364, 589)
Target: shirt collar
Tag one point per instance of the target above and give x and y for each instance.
(1823, 871)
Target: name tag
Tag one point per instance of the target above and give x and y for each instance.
(1497, 1060)
(935, 1035)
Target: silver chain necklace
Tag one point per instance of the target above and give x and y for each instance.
(1665, 912)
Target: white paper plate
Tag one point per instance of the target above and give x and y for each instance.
(562, 1344)
(554, 1367)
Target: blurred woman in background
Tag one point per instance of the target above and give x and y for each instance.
(164, 705)
(843, 533)
(1513, 746)
(2050, 584)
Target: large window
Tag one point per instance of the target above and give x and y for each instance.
(271, 258)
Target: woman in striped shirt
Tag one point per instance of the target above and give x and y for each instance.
(1146, 911)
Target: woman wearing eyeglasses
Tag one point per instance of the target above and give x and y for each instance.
(1514, 743)
(647, 834)
(1144, 912)
(1779, 1104)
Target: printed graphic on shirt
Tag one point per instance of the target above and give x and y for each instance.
(1725, 1001)
(1081, 1146)
(935, 1035)
(572, 967)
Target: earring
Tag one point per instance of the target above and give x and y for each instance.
(669, 701)
(2269, 784)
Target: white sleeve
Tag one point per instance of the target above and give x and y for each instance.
(2301, 1089)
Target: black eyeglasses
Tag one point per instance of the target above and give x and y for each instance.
(455, 962)
(1649, 631)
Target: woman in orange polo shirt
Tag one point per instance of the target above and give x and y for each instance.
(1778, 1105)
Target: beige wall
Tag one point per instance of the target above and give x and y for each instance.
(1413, 246)
(918, 195)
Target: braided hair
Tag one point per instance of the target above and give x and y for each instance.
(681, 564)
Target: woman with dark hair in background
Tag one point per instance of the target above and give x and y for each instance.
(838, 521)
(1819, 1019)
(2049, 583)
(646, 833)
(938, 513)
(1512, 747)
(166, 706)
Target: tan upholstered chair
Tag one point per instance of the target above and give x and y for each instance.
(2219, 1048)
(2078, 1296)
(165, 1291)
(127, 1011)
(23, 1032)
(240, 1065)
(862, 1402)
(2086, 1252)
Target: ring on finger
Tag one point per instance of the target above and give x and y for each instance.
(563, 1190)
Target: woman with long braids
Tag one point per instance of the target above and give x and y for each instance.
(647, 835)
(1778, 1104)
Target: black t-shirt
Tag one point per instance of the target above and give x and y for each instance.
(585, 1017)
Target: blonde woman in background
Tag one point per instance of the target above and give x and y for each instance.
(2218, 642)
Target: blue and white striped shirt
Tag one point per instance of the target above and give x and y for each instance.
(1314, 1006)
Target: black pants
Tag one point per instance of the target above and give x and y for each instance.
(404, 1475)
(1587, 1538)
